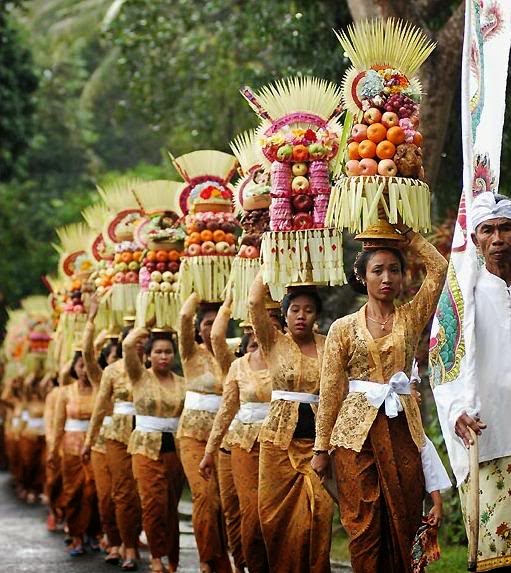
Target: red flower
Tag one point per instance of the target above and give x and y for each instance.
(226, 195)
(503, 530)
(310, 135)
(206, 193)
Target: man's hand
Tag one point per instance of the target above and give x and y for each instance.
(463, 423)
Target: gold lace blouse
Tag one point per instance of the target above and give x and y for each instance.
(94, 372)
(242, 385)
(290, 370)
(202, 374)
(50, 405)
(115, 386)
(344, 418)
(76, 405)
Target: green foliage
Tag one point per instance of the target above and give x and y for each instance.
(17, 84)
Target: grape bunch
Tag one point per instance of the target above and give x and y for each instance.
(402, 105)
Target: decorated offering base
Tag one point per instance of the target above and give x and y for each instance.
(208, 276)
(357, 202)
(243, 274)
(302, 256)
(159, 309)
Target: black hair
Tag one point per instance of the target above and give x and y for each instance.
(245, 341)
(199, 317)
(125, 331)
(105, 353)
(295, 293)
(154, 336)
(360, 267)
(72, 372)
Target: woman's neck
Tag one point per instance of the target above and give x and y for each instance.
(163, 375)
(84, 384)
(380, 309)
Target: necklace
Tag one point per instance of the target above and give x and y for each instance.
(382, 324)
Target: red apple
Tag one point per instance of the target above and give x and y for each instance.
(242, 251)
(252, 253)
(161, 266)
(390, 119)
(150, 266)
(353, 168)
(368, 167)
(372, 115)
(303, 221)
(193, 251)
(302, 202)
(359, 132)
(119, 278)
(387, 168)
(174, 265)
(223, 248)
(132, 277)
(208, 248)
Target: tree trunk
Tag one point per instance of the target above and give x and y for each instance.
(440, 74)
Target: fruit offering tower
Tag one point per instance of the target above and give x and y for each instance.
(76, 266)
(383, 173)
(252, 200)
(210, 223)
(299, 135)
(161, 236)
(119, 232)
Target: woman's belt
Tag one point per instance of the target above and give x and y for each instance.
(251, 412)
(156, 424)
(125, 408)
(107, 421)
(36, 424)
(294, 397)
(205, 402)
(73, 425)
(377, 393)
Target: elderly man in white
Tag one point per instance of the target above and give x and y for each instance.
(483, 399)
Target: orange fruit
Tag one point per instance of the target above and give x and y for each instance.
(161, 256)
(367, 149)
(194, 238)
(137, 256)
(385, 150)
(300, 152)
(151, 256)
(218, 236)
(126, 257)
(353, 150)
(418, 139)
(174, 255)
(230, 238)
(117, 258)
(376, 132)
(396, 135)
(206, 235)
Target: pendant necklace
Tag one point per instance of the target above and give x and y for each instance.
(382, 324)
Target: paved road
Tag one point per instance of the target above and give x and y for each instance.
(26, 546)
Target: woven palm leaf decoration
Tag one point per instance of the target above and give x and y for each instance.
(383, 174)
(210, 222)
(252, 201)
(299, 134)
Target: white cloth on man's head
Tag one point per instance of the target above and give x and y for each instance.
(492, 375)
(485, 207)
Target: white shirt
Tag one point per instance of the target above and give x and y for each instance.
(491, 377)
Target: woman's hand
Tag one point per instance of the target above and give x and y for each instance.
(320, 463)
(93, 307)
(85, 454)
(52, 460)
(436, 513)
(135, 335)
(207, 466)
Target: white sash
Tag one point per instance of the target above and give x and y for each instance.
(25, 415)
(125, 408)
(107, 421)
(377, 394)
(73, 425)
(302, 397)
(206, 402)
(36, 424)
(155, 424)
(251, 412)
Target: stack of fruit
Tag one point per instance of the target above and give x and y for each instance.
(127, 259)
(162, 268)
(210, 233)
(387, 143)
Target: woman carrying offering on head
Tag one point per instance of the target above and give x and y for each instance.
(368, 414)
(294, 509)
(158, 395)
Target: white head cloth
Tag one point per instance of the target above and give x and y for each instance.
(484, 207)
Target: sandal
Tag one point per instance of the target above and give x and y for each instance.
(113, 559)
(77, 551)
(129, 565)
